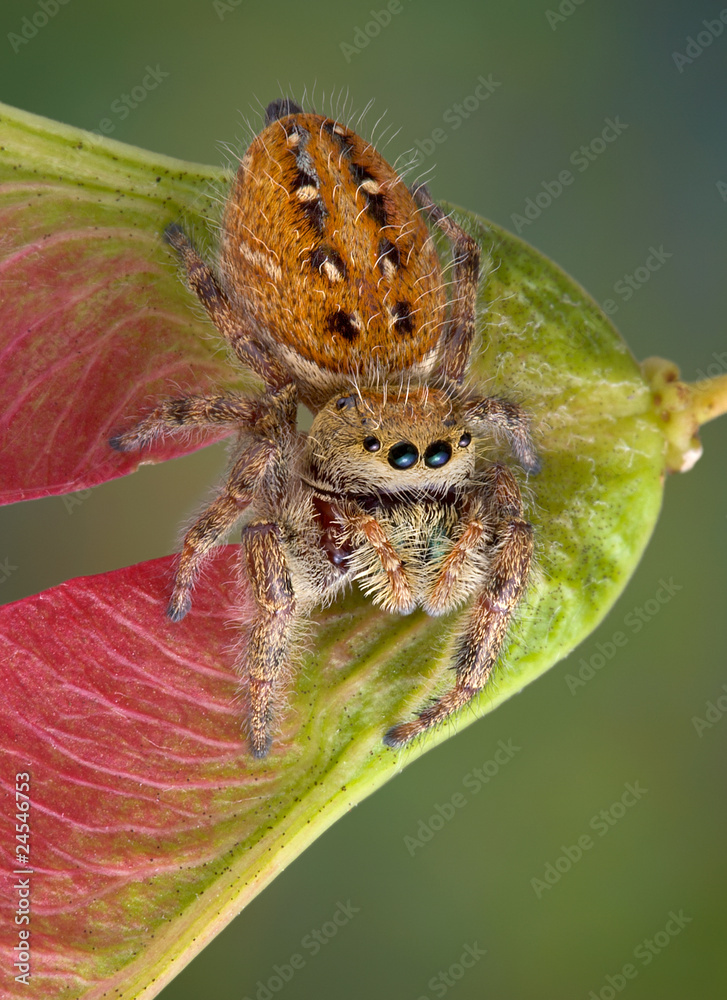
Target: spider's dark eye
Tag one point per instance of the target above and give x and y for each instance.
(437, 454)
(371, 444)
(403, 455)
(465, 440)
(344, 402)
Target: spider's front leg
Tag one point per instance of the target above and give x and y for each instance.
(458, 338)
(262, 462)
(270, 634)
(493, 606)
(507, 420)
(203, 282)
(269, 422)
(189, 413)
(218, 519)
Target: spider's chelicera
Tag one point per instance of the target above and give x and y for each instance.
(330, 289)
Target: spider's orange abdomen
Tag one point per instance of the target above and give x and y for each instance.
(325, 253)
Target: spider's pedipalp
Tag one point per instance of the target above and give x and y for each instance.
(363, 529)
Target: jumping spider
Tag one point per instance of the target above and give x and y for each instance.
(330, 289)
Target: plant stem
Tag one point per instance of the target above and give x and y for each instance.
(709, 398)
(682, 407)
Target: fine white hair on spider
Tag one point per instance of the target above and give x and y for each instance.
(328, 287)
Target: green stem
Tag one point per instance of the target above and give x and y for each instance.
(682, 408)
(710, 398)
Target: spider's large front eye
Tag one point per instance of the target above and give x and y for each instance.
(437, 454)
(403, 455)
(345, 402)
(371, 444)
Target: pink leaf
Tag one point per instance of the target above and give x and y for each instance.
(95, 323)
(136, 759)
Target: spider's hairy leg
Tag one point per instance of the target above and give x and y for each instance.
(492, 610)
(186, 413)
(394, 594)
(510, 421)
(457, 340)
(204, 284)
(263, 461)
(270, 634)
(214, 523)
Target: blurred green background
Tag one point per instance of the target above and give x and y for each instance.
(561, 72)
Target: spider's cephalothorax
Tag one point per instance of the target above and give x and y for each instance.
(329, 288)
